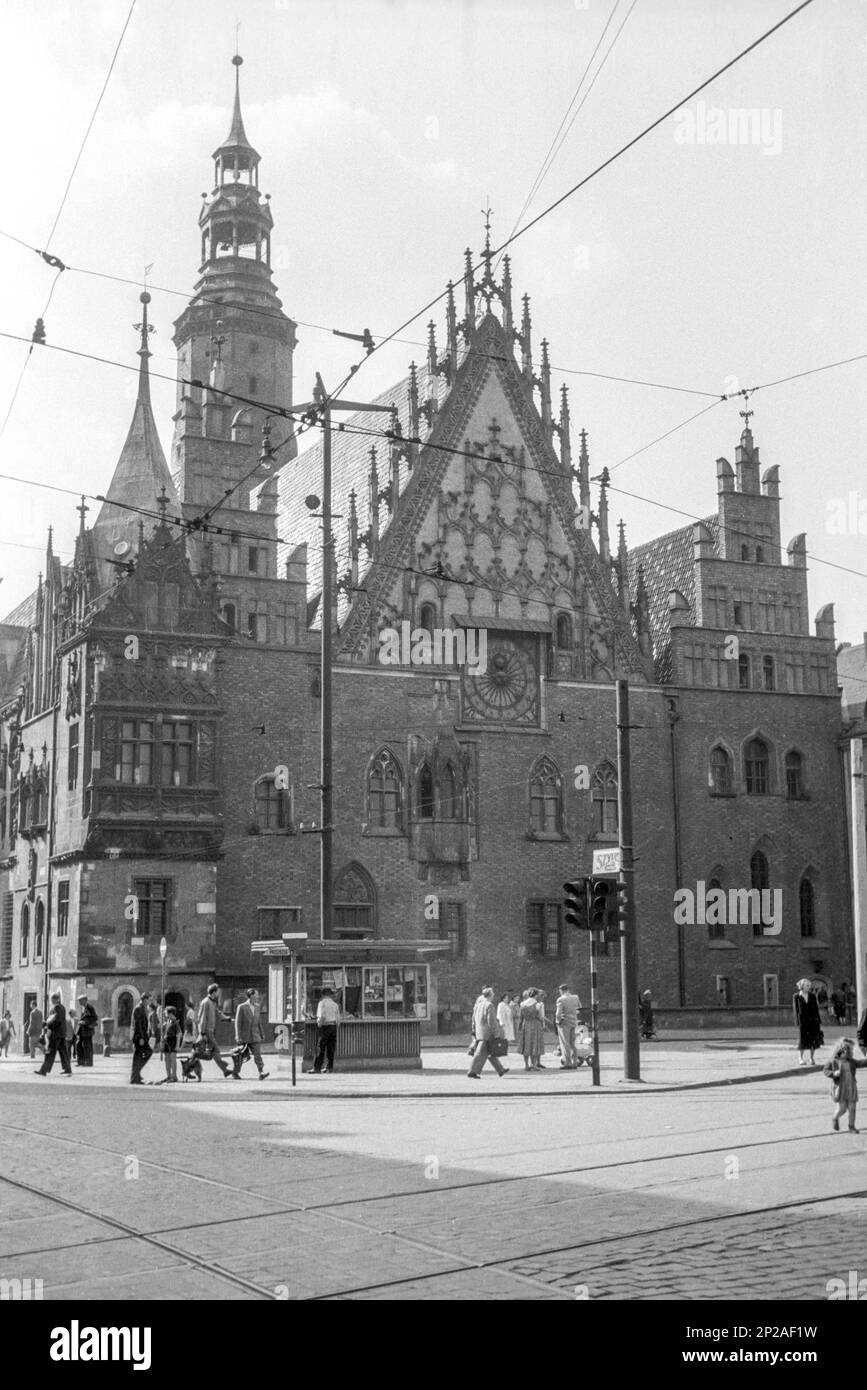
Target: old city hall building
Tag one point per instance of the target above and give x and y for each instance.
(151, 689)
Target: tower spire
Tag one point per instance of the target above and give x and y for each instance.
(144, 329)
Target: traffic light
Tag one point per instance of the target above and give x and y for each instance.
(576, 904)
(622, 901)
(601, 895)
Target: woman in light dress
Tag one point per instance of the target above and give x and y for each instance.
(532, 1039)
(505, 1017)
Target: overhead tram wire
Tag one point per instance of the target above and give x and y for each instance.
(551, 157)
(59, 267)
(323, 328)
(582, 183)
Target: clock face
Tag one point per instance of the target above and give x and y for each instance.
(508, 691)
(121, 548)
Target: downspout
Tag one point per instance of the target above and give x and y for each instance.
(49, 910)
(673, 718)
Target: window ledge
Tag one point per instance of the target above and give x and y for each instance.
(719, 943)
(384, 831)
(548, 836)
(260, 830)
(768, 941)
(603, 839)
(814, 944)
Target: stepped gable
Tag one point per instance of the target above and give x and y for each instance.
(667, 564)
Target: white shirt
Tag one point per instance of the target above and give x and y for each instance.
(505, 1020)
(327, 1011)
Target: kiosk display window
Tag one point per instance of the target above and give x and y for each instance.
(368, 992)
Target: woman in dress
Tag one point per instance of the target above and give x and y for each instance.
(504, 1017)
(806, 1009)
(532, 1035)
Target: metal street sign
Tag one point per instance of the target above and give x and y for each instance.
(607, 861)
(163, 947)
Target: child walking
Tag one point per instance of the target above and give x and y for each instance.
(844, 1090)
(171, 1035)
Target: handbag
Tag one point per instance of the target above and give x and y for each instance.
(498, 1047)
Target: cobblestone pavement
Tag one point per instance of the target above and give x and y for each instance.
(255, 1192)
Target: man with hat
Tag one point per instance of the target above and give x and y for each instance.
(84, 1037)
(248, 1035)
(141, 1048)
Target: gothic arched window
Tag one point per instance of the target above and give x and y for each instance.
(425, 793)
(768, 676)
(604, 792)
(25, 934)
(794, 775)
(450, 794)
(744, 671)
(125, 1005)
(24, 808)
(720, 772)
(353, 906)
(40, 803)
(427, 617)
(384, 792)
(716, 930)
(39, 930)
(564, 632)
(546, 798)
(757, 767)
(807, 907)
(760, 880)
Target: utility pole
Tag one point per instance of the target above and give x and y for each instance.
(859, 868)
(321, 407)
(628, 942)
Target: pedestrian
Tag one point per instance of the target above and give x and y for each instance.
(566, 1019)
(190, 1024)
(155, 1031)
(532, 1035)
(7, 1033)
(842, 1070)
(141, 1051)
(645, 1015)
(806, 1010)
(71, 1029)
(55, 1030)
(86, 1027)
(838, 1003)
(209, 1012)
(249, 1035)
(487, 1034)
(327, 1019)
(171, 1037)
(35, 1025)
(505, 1017)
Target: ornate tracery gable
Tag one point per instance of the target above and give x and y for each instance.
(540, 571)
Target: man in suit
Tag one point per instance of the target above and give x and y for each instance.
(56, 1027)
(35, 1024)
(485, 1029)
(87, 1021)
(207, 1022)
(248, 1035)
(141, 1048)
(566, 1019)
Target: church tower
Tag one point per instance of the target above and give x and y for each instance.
(233, 335)
(236, 344)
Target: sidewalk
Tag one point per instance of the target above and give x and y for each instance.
(671, 1065)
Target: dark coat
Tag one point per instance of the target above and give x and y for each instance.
(808, 1020)
(140, 1025)
(56, 1023)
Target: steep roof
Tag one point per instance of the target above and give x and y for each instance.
(139, 478)
(668, 564)
(351, 463)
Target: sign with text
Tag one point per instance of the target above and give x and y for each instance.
(606, 861)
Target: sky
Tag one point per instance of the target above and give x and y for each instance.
(385, 127)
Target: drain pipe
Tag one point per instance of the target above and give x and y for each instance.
(673, 719)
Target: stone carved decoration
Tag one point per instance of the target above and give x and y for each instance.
(491, 533)
(73, 688)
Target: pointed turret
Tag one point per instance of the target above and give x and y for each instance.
(139, 478)
(544, 384)
(584, 472)
(602, 519)
(622, 567)
(564, 431)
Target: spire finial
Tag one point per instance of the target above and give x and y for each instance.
(144, 329)
(82, 510)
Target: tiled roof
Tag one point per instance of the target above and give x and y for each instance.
(24, 615)
(350, 464)
(668, 564)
